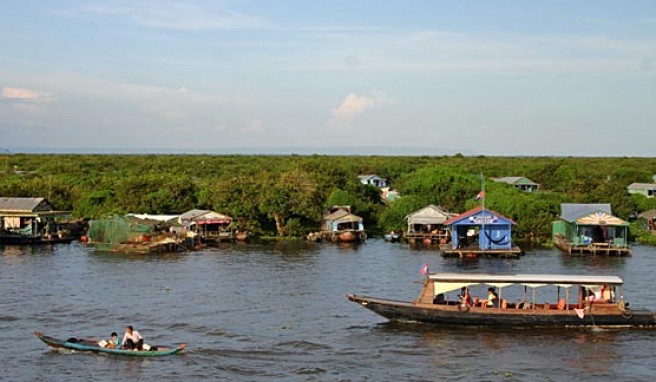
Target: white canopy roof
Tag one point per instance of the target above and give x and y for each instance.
(473, 278)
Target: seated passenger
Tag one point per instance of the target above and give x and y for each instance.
(112, 343)
(132, 340)
(465, 297)
(439, 299)
(492, 298)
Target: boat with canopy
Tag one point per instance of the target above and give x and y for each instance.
(520, 300)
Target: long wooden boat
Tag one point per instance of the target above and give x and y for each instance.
(598, 302)
(90, 345)
(10, 238)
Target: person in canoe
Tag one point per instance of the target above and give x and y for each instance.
(132, 339)
(112, 343)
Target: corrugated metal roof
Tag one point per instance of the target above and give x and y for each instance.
(642, 186)
(369, 176)
(430, 214)
(572, 211)
(515, 180)
(473, 212)
(191, 214)
(23, 204)
(648, 214)
(342, 216)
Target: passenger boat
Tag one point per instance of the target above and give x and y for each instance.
(92, 345)
(580, 301)
(12, 238)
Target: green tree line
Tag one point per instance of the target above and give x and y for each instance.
(286, 195)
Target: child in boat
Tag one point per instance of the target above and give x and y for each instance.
(112, 343)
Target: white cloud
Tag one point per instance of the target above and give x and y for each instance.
(254, 126)
(26, 95)
(354, 105)
(187, 15)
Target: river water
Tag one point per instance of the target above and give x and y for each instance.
(278, 311)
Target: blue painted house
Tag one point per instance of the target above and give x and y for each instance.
(480, 231)
(373, 180)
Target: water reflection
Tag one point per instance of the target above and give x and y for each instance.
(113, 257)
(599, 264)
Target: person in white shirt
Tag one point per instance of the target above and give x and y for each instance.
(132, 339)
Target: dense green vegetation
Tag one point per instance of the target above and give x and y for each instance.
(285, 195)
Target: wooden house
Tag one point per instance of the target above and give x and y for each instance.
(646, 189)
(339, 224)
(31, 221)
(590, 229)
(373, 180)
(480, 232)
(389, 194)
(211, 226)
(520, 182)
(647, 220)
(427, 225)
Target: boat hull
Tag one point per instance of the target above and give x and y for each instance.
(11, 239)
(91, 346)
(452, 315)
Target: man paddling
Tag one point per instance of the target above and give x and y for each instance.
(132, 339)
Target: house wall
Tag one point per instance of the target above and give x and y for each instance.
(561, 227)
(495, 237)
(647, 193)
(490, 236)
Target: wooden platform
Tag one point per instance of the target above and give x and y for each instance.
(426, 238)
(590, 249)
(473, 252)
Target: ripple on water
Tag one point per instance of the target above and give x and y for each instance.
(259, 312)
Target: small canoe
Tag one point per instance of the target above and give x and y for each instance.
(392, 237)
(89, 345)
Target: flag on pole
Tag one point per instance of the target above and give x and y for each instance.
(480, 195)
(424, 270)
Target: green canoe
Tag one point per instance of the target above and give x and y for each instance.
(92, 346)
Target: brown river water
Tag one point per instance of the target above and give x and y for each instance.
(278, 311)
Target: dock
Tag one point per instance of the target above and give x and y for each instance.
(592, 249)
(474, 251)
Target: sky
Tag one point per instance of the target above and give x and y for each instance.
(514, 77)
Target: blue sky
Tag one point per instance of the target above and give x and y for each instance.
(478, 77)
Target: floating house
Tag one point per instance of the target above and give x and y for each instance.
(32, 221)
(131, 234)
(480, 232)
(373, 180)
(389, 194)
(590, 229)
(339, 224)
(647, 220)
(646, 189)
(211, 226)
(427, 225)
(521, 183)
